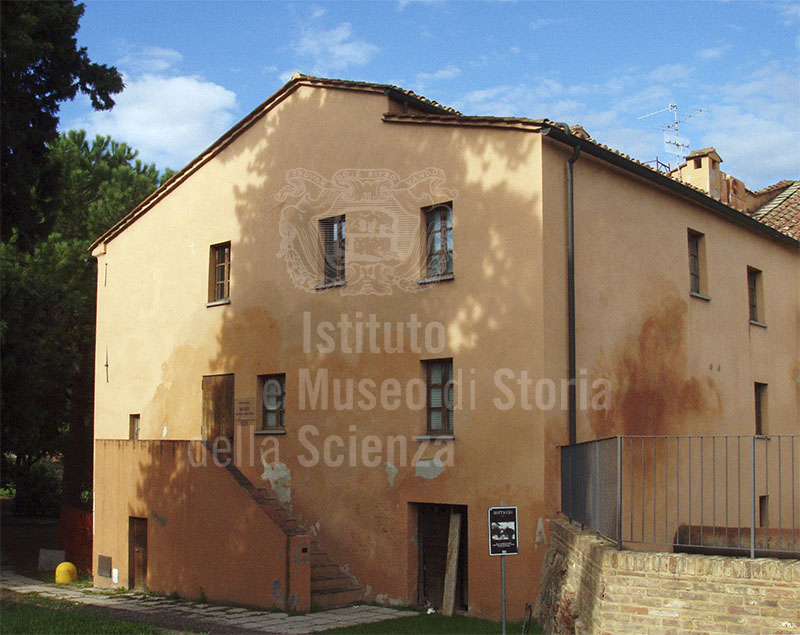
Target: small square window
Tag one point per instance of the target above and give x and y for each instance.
(697, 263)
(761, 408)
(697, 164)
(273, 401)
(440, 396)
(763, 511)
(133, 427)
(439, 239)
(755, 295)
(219, 283)
(333, 240)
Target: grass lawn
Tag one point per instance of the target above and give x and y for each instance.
(435, 623)
(30, 613)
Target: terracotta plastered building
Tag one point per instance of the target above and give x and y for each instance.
(360, 319)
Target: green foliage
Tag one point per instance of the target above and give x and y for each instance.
(48, 298)
(38, 491)
(434, 623)
(41, 67)
(31, 614)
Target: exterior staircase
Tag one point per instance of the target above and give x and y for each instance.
(331, 586)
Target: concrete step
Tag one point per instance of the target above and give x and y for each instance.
(320, 558)
(338, 581)
(334, 598)
(325, 569)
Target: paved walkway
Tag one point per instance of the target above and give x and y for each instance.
(178, 615)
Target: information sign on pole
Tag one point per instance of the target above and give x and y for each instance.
(503, 531)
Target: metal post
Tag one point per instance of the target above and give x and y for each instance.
(619, 493)
(503, 584)
(753, 496)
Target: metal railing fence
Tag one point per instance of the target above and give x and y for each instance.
(724, 494)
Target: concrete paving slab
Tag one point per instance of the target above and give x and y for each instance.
(206, 616)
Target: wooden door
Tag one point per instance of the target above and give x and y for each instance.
(137, 553)
(217, 407)
(433, 524)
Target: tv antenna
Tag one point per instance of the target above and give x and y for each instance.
(673, 142)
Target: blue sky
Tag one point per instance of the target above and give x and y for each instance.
(194, 68)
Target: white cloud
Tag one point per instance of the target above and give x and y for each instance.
(755, 125)
(402, 4)
(448, 72)
(540, 23)
(754, 121)
(170, 118)
(149, 59)
(669, 73)
(332, 49)
(713, 52)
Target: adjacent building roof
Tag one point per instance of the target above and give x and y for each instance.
(696, 154)
(783, 211)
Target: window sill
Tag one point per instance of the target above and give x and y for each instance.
(330, 285)
(700, 296)
(757, 323)
(218, 302)
(435, 437)
(435, 279)
(270, 431)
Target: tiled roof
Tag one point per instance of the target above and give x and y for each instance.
(391, 90)
(702, 152)
(437, 114)
(470, 120)
(775, 186)
(783, 211)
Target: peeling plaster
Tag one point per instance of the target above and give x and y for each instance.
(391, 470)
(540, 535)
(368, 590)
(299, 557)
(164, 432)
(276, 590)
(429, 468)
(385, 599)
(161, 520)
(279, 477)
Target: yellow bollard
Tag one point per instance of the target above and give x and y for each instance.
(66, 573)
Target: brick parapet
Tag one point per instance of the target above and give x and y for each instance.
(590, 587)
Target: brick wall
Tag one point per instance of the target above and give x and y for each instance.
(590, 587)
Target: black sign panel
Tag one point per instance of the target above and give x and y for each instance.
(503, 531)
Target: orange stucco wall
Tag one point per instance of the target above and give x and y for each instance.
(679, 364)
(205, 536)
(504, 311)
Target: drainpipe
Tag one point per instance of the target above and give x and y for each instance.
(572, 388)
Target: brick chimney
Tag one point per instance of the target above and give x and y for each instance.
(702, 170)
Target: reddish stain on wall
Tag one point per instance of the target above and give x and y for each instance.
(652, 390)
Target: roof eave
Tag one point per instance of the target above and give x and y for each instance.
(669, 183)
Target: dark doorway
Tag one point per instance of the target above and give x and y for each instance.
(433, 529)
(137, 553)
(217, 407)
